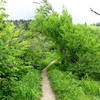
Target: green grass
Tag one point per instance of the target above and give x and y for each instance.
(95, 29)
(68, 87)
(28, 88)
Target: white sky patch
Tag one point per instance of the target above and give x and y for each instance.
(78, 9)
(20, 9)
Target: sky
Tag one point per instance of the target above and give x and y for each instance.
(78, 9)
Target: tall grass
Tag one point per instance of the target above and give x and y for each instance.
(28, 88)
(68, 87)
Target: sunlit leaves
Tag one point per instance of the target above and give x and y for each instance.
(76, 44)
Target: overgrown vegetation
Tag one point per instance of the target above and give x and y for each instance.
(29, 47)
(68, 87)
(28, 88)
(77, 46)
(15, 65)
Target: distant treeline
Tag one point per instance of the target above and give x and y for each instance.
(24, 23)
(96, 24)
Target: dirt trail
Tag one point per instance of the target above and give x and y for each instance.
(48, 94)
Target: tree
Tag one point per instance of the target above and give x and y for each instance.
(75, 43)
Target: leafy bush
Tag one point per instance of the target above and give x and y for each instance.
(77, 46)
(91, 87)
(28, 88)
(68, 87)
(14, 45)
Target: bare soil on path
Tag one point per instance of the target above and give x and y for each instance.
(47, 91)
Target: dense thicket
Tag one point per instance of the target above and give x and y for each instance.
(30, 46)
(67, 86)
(15, 50)
(77, 46)
(21, 50)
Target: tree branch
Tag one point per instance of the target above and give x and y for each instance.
(95, 11)
(36, 2)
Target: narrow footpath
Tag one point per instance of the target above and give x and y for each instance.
(48, 94)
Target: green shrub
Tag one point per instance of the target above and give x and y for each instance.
(91, 87)
(15, 44)
(76, 45)
(67, 86)
(28, 88)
